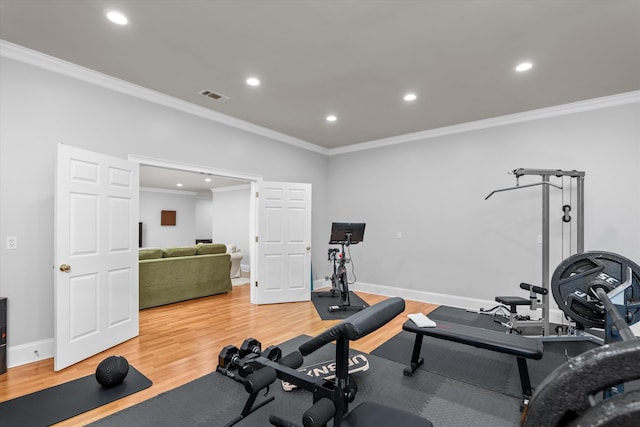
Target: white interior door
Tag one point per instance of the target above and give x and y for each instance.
(283, 243)
(96, 256)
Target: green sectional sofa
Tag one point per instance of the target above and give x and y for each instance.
(182, 273)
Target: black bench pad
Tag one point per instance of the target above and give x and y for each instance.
(522, 348)
(357, 325)
(513, 300)
(516, 345)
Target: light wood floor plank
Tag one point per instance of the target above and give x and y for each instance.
(180, 342)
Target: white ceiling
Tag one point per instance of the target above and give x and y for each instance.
(153, 177)
(354, 59)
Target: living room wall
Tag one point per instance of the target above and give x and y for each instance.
(204, 213)
(152, 202)
(223, 217)
(46, 104)
(231, 219)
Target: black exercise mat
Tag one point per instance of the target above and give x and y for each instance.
(322, 305)
(58, 403)
(483, 368)
(214, 399)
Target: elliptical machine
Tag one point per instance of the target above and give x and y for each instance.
(344, 234)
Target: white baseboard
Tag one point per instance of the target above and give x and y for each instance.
(27, 353)
(555, 315)
(321, 283)
(40, 350)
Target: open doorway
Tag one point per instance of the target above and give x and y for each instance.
(282, 216)
(200, 190)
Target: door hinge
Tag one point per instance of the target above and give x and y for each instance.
(256, 239)
(257, 194)
(256, 283)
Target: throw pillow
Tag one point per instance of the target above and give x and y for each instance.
(150, 253)
(210, 248)
(179, 251)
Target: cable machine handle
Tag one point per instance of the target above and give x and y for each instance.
(517, 187)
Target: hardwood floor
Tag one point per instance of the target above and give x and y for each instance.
(180, 342)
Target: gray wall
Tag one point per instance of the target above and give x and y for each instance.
(456, 243)
(40, 108)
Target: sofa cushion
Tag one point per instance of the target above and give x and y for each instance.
(179, 251)
(210, 248)
(150, 253)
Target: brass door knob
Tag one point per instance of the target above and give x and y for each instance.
(65, 267)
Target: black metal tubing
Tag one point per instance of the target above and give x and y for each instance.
(614, 319)
(549, 172)
(416, 360)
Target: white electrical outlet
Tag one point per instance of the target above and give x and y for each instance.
(399, 235)
(12, 242)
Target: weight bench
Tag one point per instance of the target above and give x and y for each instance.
(533, 302)
(521, 347)
(331, 398)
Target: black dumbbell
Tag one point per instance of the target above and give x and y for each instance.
(250, 345)
(272, 353)
(228, 357)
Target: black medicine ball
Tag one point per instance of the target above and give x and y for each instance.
(112, 370)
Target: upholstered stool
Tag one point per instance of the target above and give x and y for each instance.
(236, 257)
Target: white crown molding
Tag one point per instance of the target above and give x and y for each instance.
(169, 191)
(38, 59)
(542, 113)
(47, 62)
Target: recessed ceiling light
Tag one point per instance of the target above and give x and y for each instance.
(524, 66)
(207, 180)
(331, 118)
(117, 17)
(410, 97)
(252, 81)
(178, 185)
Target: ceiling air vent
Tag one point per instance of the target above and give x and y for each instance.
(215, 96)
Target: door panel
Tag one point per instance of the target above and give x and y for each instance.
(284, 243)
(96, 255)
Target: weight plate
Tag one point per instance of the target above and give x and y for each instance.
(573, 387)
(574, 282)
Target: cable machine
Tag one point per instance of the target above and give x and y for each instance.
(546, 174)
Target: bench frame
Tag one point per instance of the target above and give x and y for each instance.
(524, 348)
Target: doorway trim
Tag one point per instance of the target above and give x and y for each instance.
(224, 173)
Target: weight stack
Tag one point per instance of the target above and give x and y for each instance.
(3, 335)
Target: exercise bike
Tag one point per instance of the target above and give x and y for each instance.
(340, 282)
(345, 234)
